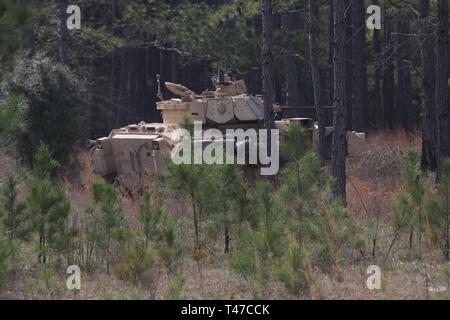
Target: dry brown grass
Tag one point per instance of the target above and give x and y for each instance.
(375, 176)
(397, 138)
(366, 199)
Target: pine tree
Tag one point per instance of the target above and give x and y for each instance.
(295, 271)
(44, 164)
(169, 245)
(388, 73)
(15, 17)
(48, 206)
(138, 262)
(55, 114)
(429, 148)
(13, 211)
(339, 151)
(196, 183)
(439, 211)
(410, 214)
(267, 67)
(405, 108)
(442, 62)
(12, 117)
(110, 216)
(314, 30)
(228, 189)
(150, 216)
(5, 251)
(361, 100)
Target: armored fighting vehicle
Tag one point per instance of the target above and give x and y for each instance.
(135, 155)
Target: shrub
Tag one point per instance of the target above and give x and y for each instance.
(302, 180)
(318, 222)
(176, 287)
(14, 215)
(439, 212)
(295, 271)
(296, 144)
(12, 117)
(150, 216)
(51, 286)
(44, 163)
(5, 251)
(409, 207)
(228, 196)
(88, 241)
(138, 262)
(168, 246)
(49, 208)
(55, 113)
(48, 205)
(195, 182)
(15, 17)
(13, 212)
(261, 245)
(111, 218)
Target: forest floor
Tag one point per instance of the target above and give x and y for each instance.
(373, 179)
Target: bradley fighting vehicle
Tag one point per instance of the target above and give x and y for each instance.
(136, 154)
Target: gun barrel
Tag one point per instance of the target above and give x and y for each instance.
(89, 143)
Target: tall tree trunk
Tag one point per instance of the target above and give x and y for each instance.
(377, 110)
(361, 100)
(64, 34)
(429, 155)
(314, 30)
(388, 76)
(404, 114)
(267, 67)
(339, 151)
(28, 36)
(443, 139)
(330, 74)
(348, 64)
(290, 23)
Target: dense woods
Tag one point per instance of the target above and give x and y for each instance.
(299, 235)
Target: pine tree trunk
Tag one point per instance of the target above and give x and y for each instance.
(378, 105)
(330, 71)
(28, 36)
(290, 24)
(339, 123)
(267, 68)
(404, 114)
(428, 101)
(63, 36)
(348, 64)
(360, 101)
(388, 76)
(314, 29)
(443, 139)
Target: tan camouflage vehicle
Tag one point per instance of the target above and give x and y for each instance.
(136, 154)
